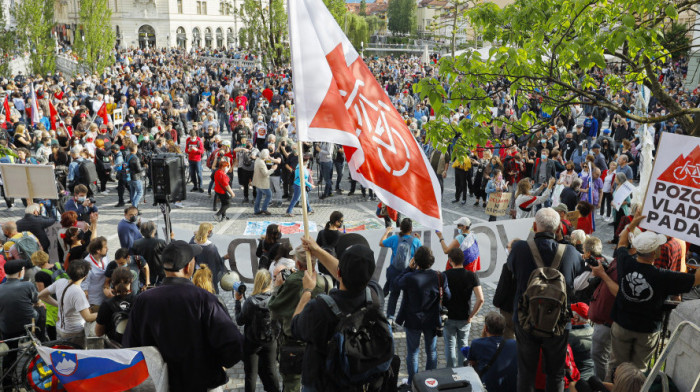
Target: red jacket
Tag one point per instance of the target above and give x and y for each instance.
(194, 148)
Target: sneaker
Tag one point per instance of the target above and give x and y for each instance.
(476, 204)
(257, 213)
(178, 205)
(266, 212)
(455, 201)
(105, 192)
(289, 215)
(217, 217)
(245, 200)
(339, 191)
(193, 189)
(464, 202)
(200, 190)
(351, 193)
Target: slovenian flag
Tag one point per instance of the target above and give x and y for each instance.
(96, 370)
(470, 248)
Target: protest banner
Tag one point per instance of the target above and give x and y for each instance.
(29, 181)
(556, 195)
(672, 200)
(621, 193)
(498, 203)
(492, 237)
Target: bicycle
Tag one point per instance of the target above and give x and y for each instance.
(29, 371)
(688, 170)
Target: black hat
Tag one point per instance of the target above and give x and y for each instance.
(14, 266)
(356, 262)
(178, 254)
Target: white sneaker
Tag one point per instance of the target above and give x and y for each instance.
(106, 192)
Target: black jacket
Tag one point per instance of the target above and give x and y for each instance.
(150, 249)
(192, 330)
(36, 225)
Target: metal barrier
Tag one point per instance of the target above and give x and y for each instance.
(236, 62)
(661, 360)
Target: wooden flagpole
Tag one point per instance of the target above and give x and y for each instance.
(305, 213)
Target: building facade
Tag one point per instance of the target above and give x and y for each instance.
(162, 23)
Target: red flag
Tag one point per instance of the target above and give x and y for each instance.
(58, 95)
(52, 115)
(103, 113)
(338, 100)
(6, 105)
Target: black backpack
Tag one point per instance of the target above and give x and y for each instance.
(87, 172)
(361, 349)
(261, 325)
(120, 317)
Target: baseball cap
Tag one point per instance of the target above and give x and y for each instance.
(15, 266)
(606, 130)
(581, 309)
(648, 241)
(561, 207)
(179, 253)
(595, 146)
(464, 221)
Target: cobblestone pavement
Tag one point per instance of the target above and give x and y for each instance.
(198, 208)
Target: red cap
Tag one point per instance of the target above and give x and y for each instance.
(581, 308)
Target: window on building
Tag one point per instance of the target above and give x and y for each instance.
(179, 6)
(221, 7)
(199, 8)
(204, 8)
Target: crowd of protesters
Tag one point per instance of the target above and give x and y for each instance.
(220, 116)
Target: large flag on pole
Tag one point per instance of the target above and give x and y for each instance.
(52, 115)
(102, 112)
(338, 100)
(6, 107)
(34, 107)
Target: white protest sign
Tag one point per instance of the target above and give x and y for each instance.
(117, 117)
(672, 201)
(621, 193)
(492, 237)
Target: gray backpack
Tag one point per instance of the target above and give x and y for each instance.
(543, 310)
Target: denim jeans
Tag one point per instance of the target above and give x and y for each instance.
(327, 174)
(456, 334)
(196, 173)
(262, 193)
(391, 274)
(295, 198)
(412, 347)
(136, 192)
(339, 173)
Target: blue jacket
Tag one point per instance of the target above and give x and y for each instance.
(590, 126)
(128, 233)
(420, 307)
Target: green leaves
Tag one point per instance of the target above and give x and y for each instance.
(552, 52)
(671, 11)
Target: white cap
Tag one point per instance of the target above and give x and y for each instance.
(464, 221)
(648, 242)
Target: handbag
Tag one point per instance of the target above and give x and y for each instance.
(291, 359)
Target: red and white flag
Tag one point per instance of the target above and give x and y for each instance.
(338, 100)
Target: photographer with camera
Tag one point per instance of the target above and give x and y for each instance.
(282, 305)
(422, 311)
(81, 203)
